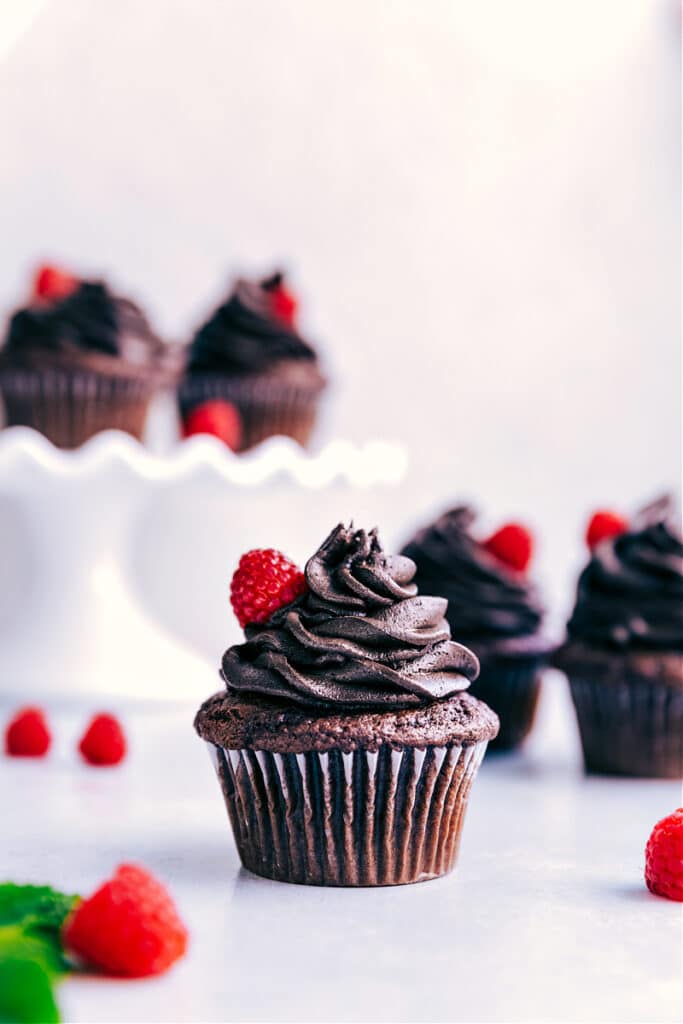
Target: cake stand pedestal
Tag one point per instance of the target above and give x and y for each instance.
(80, 630)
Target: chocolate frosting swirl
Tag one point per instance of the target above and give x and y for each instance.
(90, 319)
(630, 595)
(488, 603)
(244, 335)
(360, 637)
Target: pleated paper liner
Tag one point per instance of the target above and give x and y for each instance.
(633, 726)
(348, 819)
(511, 686)
(268, 406)
(69, 405)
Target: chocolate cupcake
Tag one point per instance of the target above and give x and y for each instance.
(344, 742)
(624, 652)
(493, 608)
(79, 359)
(250, 356)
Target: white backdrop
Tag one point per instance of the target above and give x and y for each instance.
(479, 202)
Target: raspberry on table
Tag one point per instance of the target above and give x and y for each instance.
(129, 927)
(664, 857)
(603, 525)
(104, 742)
(219, 419)
(264, 581)
(27, 734)
(512, 544)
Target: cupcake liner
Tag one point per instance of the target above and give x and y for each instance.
(69, 405)
(633, 726)
(365, 818)
(267, 406)
(511, 686)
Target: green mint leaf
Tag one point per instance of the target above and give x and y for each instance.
(31, 952)
(43, 948)
(26, 993)
(35, 913)
(33, 904)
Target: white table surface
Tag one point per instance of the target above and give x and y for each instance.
(546, 917)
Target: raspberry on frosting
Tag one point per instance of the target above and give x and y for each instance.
(52, 284)
(283, 304)
(512, 544)
(264, 581)
(604, 525)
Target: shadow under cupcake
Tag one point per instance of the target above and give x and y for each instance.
(79, 359)
(493, 608)
(250, 356)
(344, 743)
(624, 653)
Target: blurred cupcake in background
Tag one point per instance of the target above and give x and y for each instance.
(492, 607)
(249, 363)
(79, 359)
(624, 652)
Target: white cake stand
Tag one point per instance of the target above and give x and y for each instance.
(71, 623)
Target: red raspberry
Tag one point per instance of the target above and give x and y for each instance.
(264, 581)
(218, 418)
(664, 857)
(512, 544)
(53, 284)
(604, 525)
(103, 742)
(27, 734)
(128, 927)
(284, 305)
